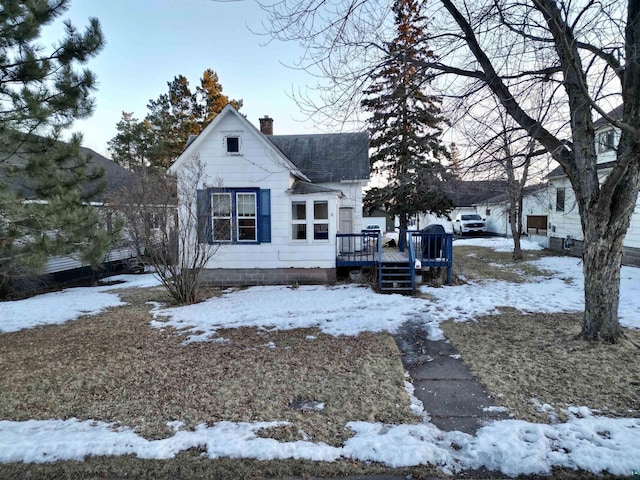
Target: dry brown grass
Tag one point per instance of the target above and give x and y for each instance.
(115, 367)
(519, 357)
(482, 263)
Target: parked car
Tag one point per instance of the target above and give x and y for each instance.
(469, 223)
(373, 227)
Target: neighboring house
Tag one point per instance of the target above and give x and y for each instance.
(535, 211)
(274, 203)
(385, 219)
(466, 195)
(565, 229)
(115, 178)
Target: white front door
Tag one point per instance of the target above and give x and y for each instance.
(346, 220)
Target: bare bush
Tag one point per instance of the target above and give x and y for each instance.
(160, 223)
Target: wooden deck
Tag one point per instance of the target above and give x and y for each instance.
(371, 257)
(364, 250)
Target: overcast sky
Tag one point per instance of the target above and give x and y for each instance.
(149, 42)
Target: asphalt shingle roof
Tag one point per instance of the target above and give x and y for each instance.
(115, 176)
(615, 113)
(300, 188)
(333, 157)
(466, 193)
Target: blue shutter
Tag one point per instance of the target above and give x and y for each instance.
(264, 213)
(204, 216)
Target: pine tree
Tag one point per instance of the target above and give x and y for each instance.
(130, 147)
(211, 100)
(171, 119)
(405, 124)
(45, 184)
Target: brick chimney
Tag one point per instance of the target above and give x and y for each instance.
(266, 125)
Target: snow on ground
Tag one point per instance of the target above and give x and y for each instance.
(339, 310)
(59, 307)
(562, 291)
(499, 244)
(587, 442)
(513, 447)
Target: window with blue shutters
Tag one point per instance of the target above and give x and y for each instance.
(234, 215)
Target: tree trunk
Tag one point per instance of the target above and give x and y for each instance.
(602, 259)
(517, 249)
(404, 222)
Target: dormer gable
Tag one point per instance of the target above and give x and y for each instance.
(233, 137)
(607, 137)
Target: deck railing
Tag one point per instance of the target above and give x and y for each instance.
(412, 264)
(353, 249)
(432, 249)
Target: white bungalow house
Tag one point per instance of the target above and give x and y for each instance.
(565, 229)
(535, 212)
(274, 203)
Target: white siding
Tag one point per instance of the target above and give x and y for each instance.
(497, 219)
(62, 264)
(567, 223)
(632, 239)
(259, 166)
(352, 199)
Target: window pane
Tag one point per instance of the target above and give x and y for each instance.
(222, 229)
(221, 204)
(560, 200)
(246, 203)
(233, 144)
(321, 231)
(321, 210)
(299, 231)
(246, 229)
(299, 210)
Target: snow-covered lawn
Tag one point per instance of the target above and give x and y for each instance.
(586, 441)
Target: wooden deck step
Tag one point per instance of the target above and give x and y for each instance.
(395, 277)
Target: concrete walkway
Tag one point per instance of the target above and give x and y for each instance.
(451, 395)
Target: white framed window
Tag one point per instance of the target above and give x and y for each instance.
(298, 220)
(310, 220)
(606, 141)
(221, 216)
(232, 144)
(247, 216)
(560, 197)
(321, 220)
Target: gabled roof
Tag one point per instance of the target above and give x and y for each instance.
(192, 146)
(335, 157)
(467, 193)
(528, 190)
(316, 158)
(615, 113)
(559, 171)
(115, 175)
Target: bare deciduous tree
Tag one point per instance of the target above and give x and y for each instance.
(588, 52)
(161, 224)
(500, 149)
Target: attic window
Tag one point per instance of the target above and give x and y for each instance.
(606, 141)
(233, 144)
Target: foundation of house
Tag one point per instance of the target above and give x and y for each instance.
(268, 276)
